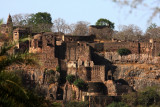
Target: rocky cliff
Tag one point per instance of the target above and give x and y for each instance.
(136, 70)
(138, 76)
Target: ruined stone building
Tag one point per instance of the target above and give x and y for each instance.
(94, 62)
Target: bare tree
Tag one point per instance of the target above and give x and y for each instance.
(128, 33)
(21, 19)
(81, 28)
(153, 33)
(59, 25)
(152, 5)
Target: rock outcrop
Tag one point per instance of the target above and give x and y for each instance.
(139, 76)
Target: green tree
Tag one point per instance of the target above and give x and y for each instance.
(123, 51)
(148, 97)
(40, 22)
(80, 84)
(70, 78)
(105, 22)
(130, 99)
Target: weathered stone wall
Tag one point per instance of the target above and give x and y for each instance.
(114, 57)
(114, 46)
(98, 73)
(71, 92)
(111, 87)
(44, 46)
(75, 38)
(75, 51)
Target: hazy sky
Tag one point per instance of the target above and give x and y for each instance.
(79, 10)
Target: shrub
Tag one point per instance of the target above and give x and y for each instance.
(56, 104)
(148, 97)
(123, 51)
(80, 84)
(58, 68)
(77, 104)
(117, 104)
(70, 78)
(130, 99)
(51, 71)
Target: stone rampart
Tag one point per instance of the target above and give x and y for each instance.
(114, 57)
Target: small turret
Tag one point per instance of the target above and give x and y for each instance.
(9, 20)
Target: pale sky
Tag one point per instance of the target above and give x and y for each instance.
(79, 10)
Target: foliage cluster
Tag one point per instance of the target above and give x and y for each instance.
(117, 104)
(70, 78)
(80, 84)
(39, 22)
(51, 76)
(76, 104)
(58, 69)
(105, 22)
(147, 97)
(12, 92)
(123, 51)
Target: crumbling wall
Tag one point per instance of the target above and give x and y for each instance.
(44, 45)
(114, 57)
(77, 51)
(114, 46)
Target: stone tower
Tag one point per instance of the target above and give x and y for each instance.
(9, 26)
(9, 21)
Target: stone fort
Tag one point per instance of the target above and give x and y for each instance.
(81, 56)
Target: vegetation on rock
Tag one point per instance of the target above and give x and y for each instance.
(147, 97)
(123, 51)
(117, 104)
(70, 78)
(80, 84)
(76, 104)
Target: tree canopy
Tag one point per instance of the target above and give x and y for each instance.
(40, 18)
(105, 22)
(124, 51)
(39, 22)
